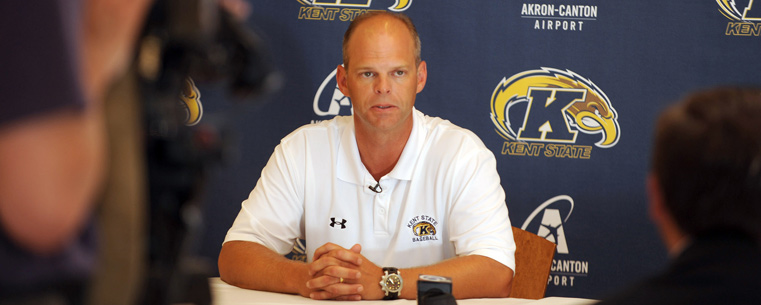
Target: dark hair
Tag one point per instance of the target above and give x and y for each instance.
(398, 16)
(707, 157)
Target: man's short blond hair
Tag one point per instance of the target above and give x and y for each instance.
(366, 16)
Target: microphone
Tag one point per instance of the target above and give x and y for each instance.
(377, 188)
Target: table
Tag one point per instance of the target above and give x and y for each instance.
(225, 294)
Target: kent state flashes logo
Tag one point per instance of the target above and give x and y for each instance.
(742, 23)
(190, 102)
(547, 221)
(329, 101)
(344, 10)
(542, 111)
(423, 228)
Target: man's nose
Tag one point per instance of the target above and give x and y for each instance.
(382, 85)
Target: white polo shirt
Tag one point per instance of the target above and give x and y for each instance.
(442, 199)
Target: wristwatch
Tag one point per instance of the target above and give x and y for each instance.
(391, 283)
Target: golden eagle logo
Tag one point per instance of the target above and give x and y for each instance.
(399, 5)
(190, 101)
(728, 9)
(557, 104)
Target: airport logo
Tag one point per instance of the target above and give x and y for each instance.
(423, 228)
(190, 102)
(329, 101)
(559, 17)
(346, 10)
(745, 21)
(548, 220)
(540, 112)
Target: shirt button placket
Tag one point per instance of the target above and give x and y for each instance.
(381, 212)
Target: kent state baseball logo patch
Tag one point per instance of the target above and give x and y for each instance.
(423, 228)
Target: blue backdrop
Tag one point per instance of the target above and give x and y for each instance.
(573, 169)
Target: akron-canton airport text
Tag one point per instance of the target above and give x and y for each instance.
(563, 272)
(549, 16)
(549, 10)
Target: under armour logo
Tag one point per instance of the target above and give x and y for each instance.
(333, 223)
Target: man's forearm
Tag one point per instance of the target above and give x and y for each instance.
(473, 276)
(252, 266)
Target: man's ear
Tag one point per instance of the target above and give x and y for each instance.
(422, 76)
(656, 205)
(341, 75)
(660, 214)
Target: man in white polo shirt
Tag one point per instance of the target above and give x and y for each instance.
(380, 196)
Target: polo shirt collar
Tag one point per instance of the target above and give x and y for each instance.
(349, 164)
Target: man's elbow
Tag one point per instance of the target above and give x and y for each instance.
(231, 262)
(501, 278)
(225, 266)
(505, 283)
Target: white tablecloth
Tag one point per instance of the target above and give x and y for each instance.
(224, 294)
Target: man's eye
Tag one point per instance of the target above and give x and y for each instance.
(367, 74)
(400, 73)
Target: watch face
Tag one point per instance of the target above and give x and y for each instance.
(393, 283)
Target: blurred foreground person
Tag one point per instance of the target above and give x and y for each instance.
(64, 55)
(705, 199)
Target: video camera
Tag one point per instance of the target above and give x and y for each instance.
(186, 42)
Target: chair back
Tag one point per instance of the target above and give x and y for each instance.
(533, 259)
